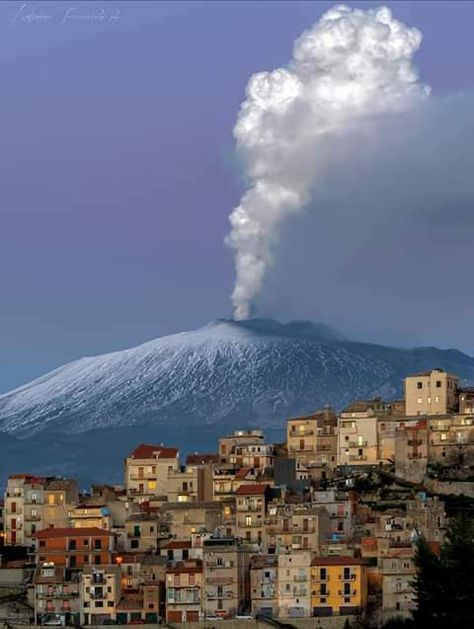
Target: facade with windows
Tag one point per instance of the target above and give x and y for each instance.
(431, 393)
(57, 596)
(74, 548)
(338, 586)
(101, 593)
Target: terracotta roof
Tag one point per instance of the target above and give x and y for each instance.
(338, 561)
(198, 459)
(147, 451)
(30, 478)
(242, 473)
(252, 490)
(88, 531)
(177, 545)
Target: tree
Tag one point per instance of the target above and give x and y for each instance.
(444, 585)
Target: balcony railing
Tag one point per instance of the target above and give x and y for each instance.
(358, 444)
(357, 457)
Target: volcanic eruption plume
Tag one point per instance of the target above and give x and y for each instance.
(350, 66)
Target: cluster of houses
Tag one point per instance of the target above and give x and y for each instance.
(271, 530)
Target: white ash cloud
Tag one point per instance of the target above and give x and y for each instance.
(349, 67)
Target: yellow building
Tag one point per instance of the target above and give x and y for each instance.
(431, 393)
(338, 586)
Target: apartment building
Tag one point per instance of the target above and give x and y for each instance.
(188, 518)
(451, 439)
(411, 451)
(147, 469)
(90, 515)
(431, 393)
(57, 595)
(144, 532)
(250, 455)
(358, 436)
(342, 509)
(60, 495)
(226, 577)
(398, 574)
(296, 527)
(466, 401)
(263, 585)
(312, 440)
(183, 484)
(184, 581)
(238, 438)
(338, 586)
(294, 583)
(101, 592)
(23, 511)
(251, 508)
(204, 465)
(74, 548)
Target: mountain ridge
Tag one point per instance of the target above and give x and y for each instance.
(256, 372)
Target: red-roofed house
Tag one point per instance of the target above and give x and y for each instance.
(146, 471)
(74, 547)
(251, 508)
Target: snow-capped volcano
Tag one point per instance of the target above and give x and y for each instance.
(256, 372)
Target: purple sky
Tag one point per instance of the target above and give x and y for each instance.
(118, 170)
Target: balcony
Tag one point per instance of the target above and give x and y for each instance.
(358, 444)
(324, 447)
(350, 577)
(414, 442)
(357, 457)
(300, 578)
(32, 518)
(351, 593)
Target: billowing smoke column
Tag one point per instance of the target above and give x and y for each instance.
(351, 65)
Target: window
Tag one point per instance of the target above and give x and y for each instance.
(97, 559)
(443, 436)
(322, 574)
(419, 385)
(347, 573)
(436, 398)
(248, 520)
(438, 384)
(97, 544)
(72, 544)
(420, 400)
(99, 603)
(152, 484)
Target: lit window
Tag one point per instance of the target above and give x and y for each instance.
(420, 400)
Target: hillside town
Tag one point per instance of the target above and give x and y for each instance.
(323, 525)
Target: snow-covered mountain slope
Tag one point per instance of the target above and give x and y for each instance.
(243, 373)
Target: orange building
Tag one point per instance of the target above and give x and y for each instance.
(74, 547)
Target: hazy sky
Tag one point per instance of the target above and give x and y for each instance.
(118, 173)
